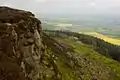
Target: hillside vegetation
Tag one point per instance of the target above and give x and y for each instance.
(76, 60)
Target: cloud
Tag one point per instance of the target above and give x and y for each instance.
(66, 6)
(40, 1)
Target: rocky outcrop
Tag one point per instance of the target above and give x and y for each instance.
(20, 45)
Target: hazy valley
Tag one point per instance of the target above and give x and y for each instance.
(106, 28)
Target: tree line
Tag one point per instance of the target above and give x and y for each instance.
(101, 46)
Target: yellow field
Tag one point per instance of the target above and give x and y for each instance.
(62, 18)
(105, 38)
(64, 25)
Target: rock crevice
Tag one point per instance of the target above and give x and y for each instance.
(20, 45)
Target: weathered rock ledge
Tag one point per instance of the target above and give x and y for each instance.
(20, 45)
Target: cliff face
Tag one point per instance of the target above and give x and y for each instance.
(20, 45)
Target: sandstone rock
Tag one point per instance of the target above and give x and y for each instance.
(20, 45)
(22, 53)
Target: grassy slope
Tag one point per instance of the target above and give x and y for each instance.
(88, 52)
(87, 64)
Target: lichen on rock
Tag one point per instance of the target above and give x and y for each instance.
(21, 45)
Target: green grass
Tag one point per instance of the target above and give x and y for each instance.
(87, 62)
(67, 73)
(99, 61)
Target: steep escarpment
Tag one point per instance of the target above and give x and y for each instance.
(22, 54)
(79, 61)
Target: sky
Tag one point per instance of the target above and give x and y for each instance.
(66, 6)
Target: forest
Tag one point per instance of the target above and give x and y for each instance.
(101, 46)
